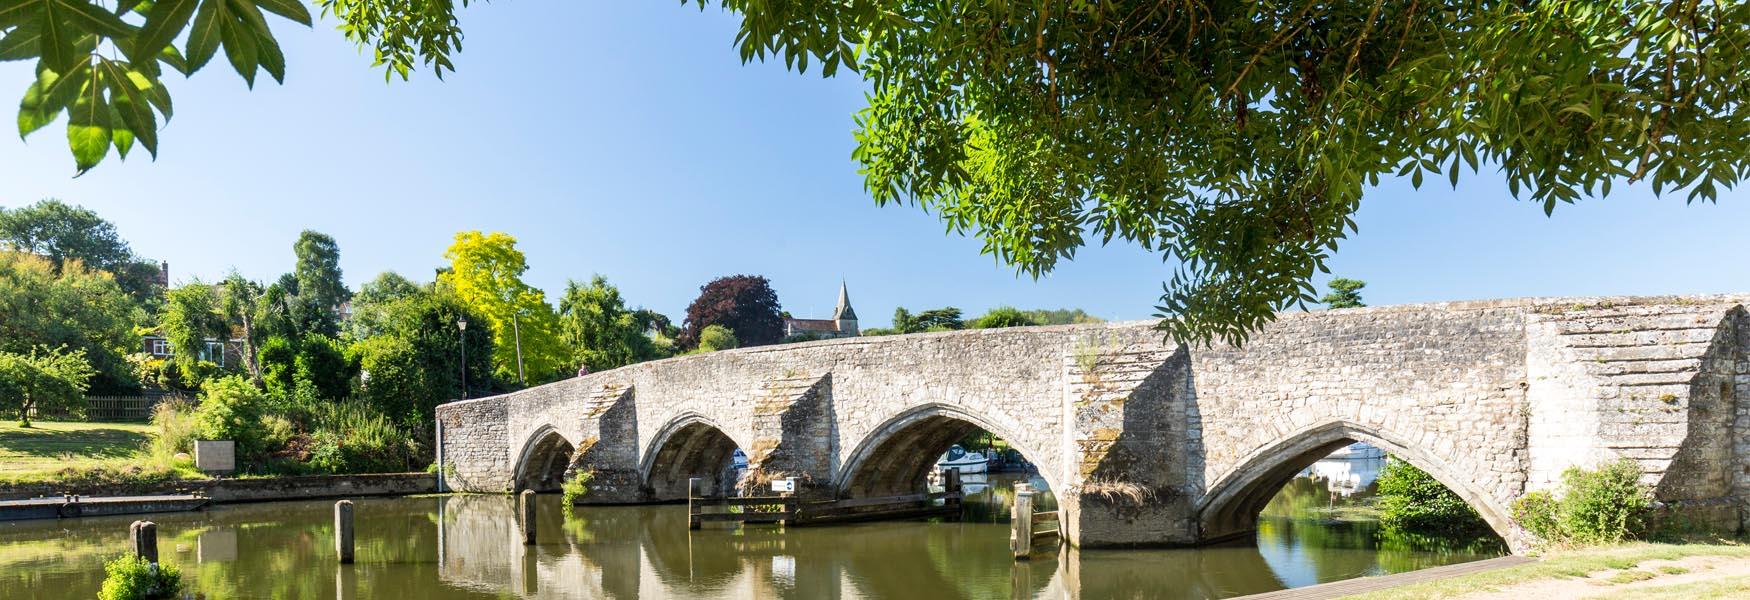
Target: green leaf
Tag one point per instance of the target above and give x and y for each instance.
(58, 50)
(120, 134)
(166, 21)
(46, 98)
(290, 9)
(23, 43)
(154, 91)
(268, 53)
(240, 47)
(88, 132)
(203, 38)
(31, 115)
(18, 12)
(92, 18)
(130, 106)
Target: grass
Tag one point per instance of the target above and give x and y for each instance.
(1714, 589)
(60, 451)
(1575, 563)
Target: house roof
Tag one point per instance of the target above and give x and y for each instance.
(814, 324)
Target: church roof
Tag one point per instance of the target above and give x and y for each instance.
(814, 325)
(844, 311)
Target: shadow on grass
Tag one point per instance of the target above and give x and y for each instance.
(92, 443)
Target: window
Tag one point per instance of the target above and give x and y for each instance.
(160, 347)
(214, 352)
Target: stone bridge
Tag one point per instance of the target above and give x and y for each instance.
(1148, 441)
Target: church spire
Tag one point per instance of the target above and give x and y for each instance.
(844, 311)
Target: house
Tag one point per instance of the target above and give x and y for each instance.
(222, 353)
(842, 324)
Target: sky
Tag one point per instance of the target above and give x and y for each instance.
(628, 139)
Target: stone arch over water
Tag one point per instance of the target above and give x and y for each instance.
(689, 446)
(1232, 505)
(897, 457)
(544, 460)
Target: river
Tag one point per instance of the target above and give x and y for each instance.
(468, 546)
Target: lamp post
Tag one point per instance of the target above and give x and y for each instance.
(462, 325)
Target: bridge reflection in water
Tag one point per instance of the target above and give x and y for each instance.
(467, 546)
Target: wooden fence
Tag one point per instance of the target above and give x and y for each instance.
(98, 408)
(791, 510)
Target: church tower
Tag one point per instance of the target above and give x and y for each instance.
(843, 316)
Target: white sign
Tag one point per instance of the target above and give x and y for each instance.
(784, 485)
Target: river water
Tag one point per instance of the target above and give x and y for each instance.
(468, 546)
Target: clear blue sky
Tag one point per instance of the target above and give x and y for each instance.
(627, 139)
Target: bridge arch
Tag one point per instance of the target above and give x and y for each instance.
(1232, 505)
(545, 457)
(897, 456)
(690, 445)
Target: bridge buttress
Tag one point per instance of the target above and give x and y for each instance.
(609, 448)
(792, 423)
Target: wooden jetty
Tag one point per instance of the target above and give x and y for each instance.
(67, 507)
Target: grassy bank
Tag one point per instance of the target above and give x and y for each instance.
(1595, 572)
(56, 451)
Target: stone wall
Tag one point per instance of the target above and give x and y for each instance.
(1148, 441)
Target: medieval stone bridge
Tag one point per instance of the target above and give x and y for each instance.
(1147, 441)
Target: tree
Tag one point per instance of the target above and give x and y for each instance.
(63, 232)
(413, 360)
(1061, 316)
(717, 337)
(373, 298)
(1345, 293)
(745, 304)
(1233, 138)
(486, 275)
(44, 377)
(192, 313)
(599, 331)
(320, 291)
(1002, 316)
(240, 303)
(1412, 501)
(72, 306)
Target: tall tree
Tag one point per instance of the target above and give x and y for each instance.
(745, 304)
(374, 298)
(320, 289)
(1345, 293)
(64, 232)
(44, 377)
(192, 313)
(598, 329)
(413, 361)
(75, 307)
(240, 301)
(1234, 138)
(486, 275)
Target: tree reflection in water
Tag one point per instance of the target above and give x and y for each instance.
(467, 546)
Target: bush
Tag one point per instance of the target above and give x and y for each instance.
(132, 578)
(353, 437)
(1412, 501)
(717, 337)
(1002, 316)
(575, 489)
(177, 430)
(1603, 506)
(231, 409)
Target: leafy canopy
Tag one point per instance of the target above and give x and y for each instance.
(745, 304)
(486, 275)
(1233, 138)
(71, 306)
(43, 377)
(1345, 293)
(598, 329)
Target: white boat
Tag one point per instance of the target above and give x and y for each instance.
(959, 459)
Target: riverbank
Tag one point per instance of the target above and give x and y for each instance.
(1639, 571)
(249, 489)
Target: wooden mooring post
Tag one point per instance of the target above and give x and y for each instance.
(343, 531)
(1021, 522)
(144, 537)
(694, 508)
(951, 485)
(526, 506)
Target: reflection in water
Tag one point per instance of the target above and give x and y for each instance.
(467, 546)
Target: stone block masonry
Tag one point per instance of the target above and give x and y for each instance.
(1148, 441)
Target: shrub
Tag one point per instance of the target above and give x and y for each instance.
(354, 437)
(574, 489)
(1412, 501)
(132, 578)
(231, 409)
(1606, 505)
(177, 430)
(1002, 316)
(717, 337)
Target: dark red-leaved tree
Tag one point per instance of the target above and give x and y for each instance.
(743, 303)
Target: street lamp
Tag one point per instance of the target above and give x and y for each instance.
(462, 325)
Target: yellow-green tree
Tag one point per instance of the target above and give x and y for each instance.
(486, 275)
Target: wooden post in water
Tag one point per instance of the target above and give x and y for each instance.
(526, 502)
(343, 531)
(693, 507)
(951, 484)
(144, 536)
(1021, 522)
